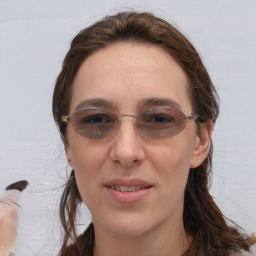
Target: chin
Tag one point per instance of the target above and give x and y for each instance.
(130, 230)
(127, 225)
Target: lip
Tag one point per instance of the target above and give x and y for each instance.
(128, 183)
(126, 197)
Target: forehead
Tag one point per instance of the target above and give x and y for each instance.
(126, 74)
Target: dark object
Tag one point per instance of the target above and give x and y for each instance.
(19, 185)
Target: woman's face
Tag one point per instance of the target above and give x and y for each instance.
(124, 78)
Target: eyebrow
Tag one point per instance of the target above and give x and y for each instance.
(95, 102)
(153, 102)
(148, 102)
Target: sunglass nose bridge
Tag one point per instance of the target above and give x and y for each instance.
(122, 117)
(127, 115)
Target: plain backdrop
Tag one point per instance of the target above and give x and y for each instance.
(34, 37)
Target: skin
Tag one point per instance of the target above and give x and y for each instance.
(126, 74)
(8, 221)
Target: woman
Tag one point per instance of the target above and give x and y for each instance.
(135, 108)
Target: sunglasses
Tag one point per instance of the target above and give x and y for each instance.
(155, 123)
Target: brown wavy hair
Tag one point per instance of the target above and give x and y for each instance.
(212, 233)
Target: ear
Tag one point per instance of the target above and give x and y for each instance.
(201, 145)
(68, 154)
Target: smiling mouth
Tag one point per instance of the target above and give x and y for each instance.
(128, 189)
(128, 193)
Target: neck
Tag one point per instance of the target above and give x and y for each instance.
(173, 242)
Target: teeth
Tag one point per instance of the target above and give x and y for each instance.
(123, 188)
(127, 189)
(131, 189)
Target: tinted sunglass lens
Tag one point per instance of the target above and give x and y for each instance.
(161, 123)
(93, 124)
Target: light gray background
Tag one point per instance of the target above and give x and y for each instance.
(34, 37)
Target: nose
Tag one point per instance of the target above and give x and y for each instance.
(126, 149)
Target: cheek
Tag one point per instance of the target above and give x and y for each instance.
(172, 162)
(87, 160)
(173, 180)
(85, 154)
(174, 156)
(85, 167)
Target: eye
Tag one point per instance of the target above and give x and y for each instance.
(159, 118)
(96, 119)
